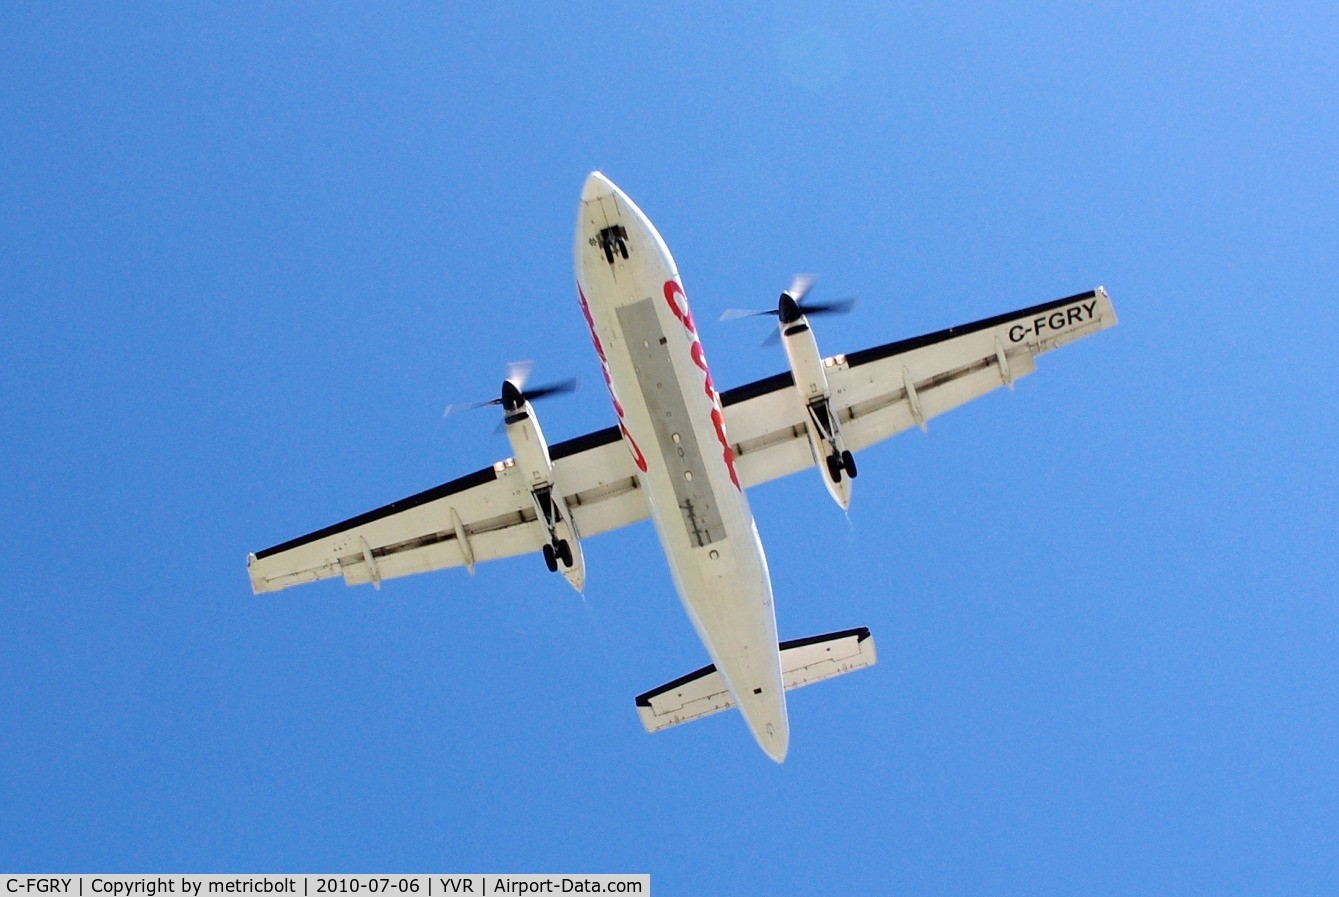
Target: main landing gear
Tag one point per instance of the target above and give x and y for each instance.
(837, 463)
(559, 551)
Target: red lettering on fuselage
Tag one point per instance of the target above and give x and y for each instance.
(678, 304)
(637, 457)
(672, 289)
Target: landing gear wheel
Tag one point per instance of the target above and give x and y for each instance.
(550, 559)
(848, 461)
(565, 552)
(622, 249)
(835, 468)
(609, 253)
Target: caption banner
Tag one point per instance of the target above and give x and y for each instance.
(318, 885)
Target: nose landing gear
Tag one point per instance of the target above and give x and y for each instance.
(613, 239)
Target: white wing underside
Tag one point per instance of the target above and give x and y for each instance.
(879, 392)
(875, 393)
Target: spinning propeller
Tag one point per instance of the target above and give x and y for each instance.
(514, 394)
(791, 306)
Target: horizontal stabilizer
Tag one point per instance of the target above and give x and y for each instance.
(803, 661)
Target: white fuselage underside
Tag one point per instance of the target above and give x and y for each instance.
(673, 425)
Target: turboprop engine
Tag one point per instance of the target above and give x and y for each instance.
(835, 463)
(557, 534)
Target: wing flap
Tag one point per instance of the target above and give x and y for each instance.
(765, 421)
(599, 481)
(887, 413)
(501, 537)
(803, 662)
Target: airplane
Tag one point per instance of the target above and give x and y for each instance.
(683, 455)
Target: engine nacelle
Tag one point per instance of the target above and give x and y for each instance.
(835, 464)
(527, 439)
(559, 540)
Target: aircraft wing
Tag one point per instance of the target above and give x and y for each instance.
(481, 516)
(884, 390)
(875, 393)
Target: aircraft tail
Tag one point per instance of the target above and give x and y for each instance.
(803, 662)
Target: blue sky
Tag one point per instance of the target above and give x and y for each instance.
(247, 254)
